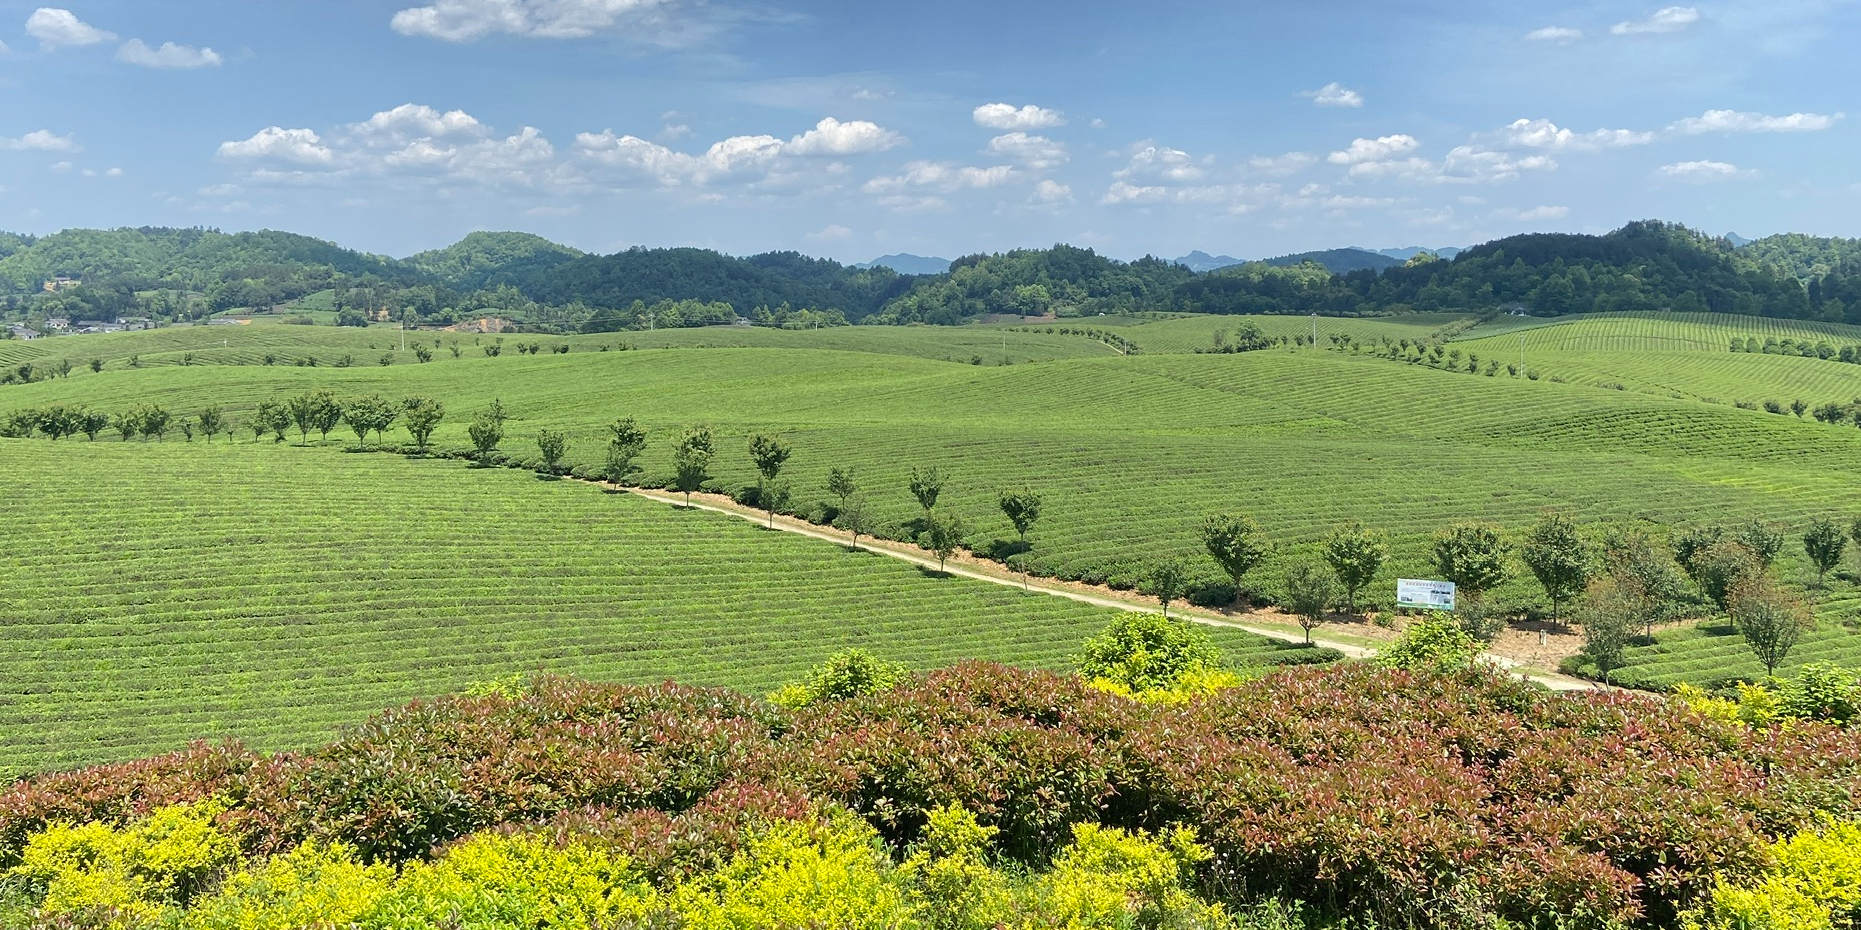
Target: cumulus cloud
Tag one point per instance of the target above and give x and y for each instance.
(1735, 121)
(41, 140)
(1006, 116)
(1562, 35)
(1664, 20)
(408, 142)
(1151, 160)
(470, 20)
(833, 137)
(1544, 134)
(1383, 148)
(275, 143)
(946, 177)
(1704, 172)
(1335, 95)
(1464, 164)
(830, 232)
(732, 157)
(1037, 152)
(56, 28)
(169, 55)
(1051, 192)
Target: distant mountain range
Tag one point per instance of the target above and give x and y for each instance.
(906, 263)
(1199, 261)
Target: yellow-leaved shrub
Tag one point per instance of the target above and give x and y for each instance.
(312, 886)
(1111, 878)
(1815, 884)
(793, 874)
(130, 875)
(492, 882)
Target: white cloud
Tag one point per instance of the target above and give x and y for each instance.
(40, 140)
(1289, 163)
(1704, 171)
(941, 176)
(1037, 152)
(732, 157)
(1464, 164)
(170, 55)
(831, 232)
(1099, 124)
(833, 137)
(1051, 192)
(409, 121)
(1154, 161)
(1544, 134)
(1005, 116)
(275, 143)
(1335, 95)
(1562, 35)
(4, 49)
(1363, 151)
(56, 28)
(1536, 214)
(1735, 121)
(469, 20)
(1664, 20)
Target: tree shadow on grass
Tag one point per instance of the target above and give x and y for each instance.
(1001, 550)
(545, 476)
(929, 572)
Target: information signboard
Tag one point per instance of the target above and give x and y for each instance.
(1424, 595)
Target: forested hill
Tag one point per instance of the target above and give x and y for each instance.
(193, 259)
(190, 272)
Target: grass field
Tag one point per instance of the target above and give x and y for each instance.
(1189, 333)
(1678, 355)
(1130, 453)
(154, 594)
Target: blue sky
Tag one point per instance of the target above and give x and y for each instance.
(855, 129)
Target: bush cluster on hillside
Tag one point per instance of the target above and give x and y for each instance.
(1442, 799)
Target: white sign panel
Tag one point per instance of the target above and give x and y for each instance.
(1425, 595)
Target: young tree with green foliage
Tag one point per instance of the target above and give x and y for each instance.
(57, 422)
(1722, 567)
(552, 445)
(854, 517)
(1764, 541)
(926, 486)
(93, 422)
(96, 365)
(943, 535)
(1311, 589)
(1472, 556)
(625, 444)
(422, 416)
(691, 461)
(126, 425)
(1644, 573)
(1167, 581)
(1610, 614)
(768, 454)
(1691, 545)
(1237, 544)
(272, 417)
(303, 416)
(211, 421)
(1824, 543)
(154, 421)
(1771, 621)
(487, 430)
(1355, 556)
(1022, 508)
(364, 413)
(1556, 555)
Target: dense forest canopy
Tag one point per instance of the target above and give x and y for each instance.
(190, 273)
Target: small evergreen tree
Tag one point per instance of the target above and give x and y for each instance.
(1824, 543)
(1167, 581)
(625, 444)
(1311, 589)
(1236, 543)
(552, 445)
(691, 461)
(1556, 555)
(1355, 556)
(1022, 508)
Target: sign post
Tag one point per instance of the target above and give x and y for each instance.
(1424, 595)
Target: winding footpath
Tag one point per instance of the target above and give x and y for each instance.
(905, 552)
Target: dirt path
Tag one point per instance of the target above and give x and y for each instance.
(980, 570)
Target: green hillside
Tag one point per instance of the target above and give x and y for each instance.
(275, 593)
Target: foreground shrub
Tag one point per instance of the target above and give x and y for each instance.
(835, 874)
(516, 882)
(849, 674)
(314, 885)
(1815, 884)
(126, 876)
(1436, 643)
